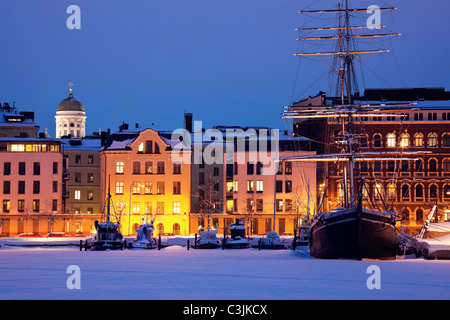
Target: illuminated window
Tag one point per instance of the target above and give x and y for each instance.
(136, 188)
(250, 185)
(391, 191)
(77, 194)
(136, 208)
(391, 140)
(418, 140)
(432, 142)
(235, 188)
(148, 189)
(141, 147)
(176, 207)
(119, 167)
(378, 190)
(148, 167)
(404, 140)
(119, 187)
(229, 206)
(260, 185)
(160, 208)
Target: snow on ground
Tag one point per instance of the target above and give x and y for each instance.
(177, 273)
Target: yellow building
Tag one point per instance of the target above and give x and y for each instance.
(144, 182)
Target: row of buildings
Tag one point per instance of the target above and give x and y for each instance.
(192, 177)
(182, 180)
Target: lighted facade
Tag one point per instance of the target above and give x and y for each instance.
(145, 182)
(32, 187)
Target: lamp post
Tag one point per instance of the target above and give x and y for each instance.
(129, 207)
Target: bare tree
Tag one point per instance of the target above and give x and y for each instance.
(208, 199)
(249, 211)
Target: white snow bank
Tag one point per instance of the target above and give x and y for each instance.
(244, 274)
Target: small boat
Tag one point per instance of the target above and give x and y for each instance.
(272, 241)
(237, 239)
(302, 242)
(144, 238)
(208, 240)
(108, 235)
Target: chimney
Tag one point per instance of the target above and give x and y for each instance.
(123, 126)
(188, 121)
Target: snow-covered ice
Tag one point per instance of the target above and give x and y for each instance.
(177, 273)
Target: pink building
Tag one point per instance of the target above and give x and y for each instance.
(32, 186)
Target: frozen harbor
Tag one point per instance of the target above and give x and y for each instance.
(177, 273)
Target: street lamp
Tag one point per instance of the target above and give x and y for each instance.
(129, 206)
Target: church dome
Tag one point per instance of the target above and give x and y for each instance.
(70, 104)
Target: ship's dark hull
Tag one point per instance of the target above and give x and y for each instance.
(354, 233)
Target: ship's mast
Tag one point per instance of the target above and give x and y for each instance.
(345, 54)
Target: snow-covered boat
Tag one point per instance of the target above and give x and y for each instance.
(302, 241)
(272, 241)
(208, 240)
(144, 238)
(237, 239)
(108, 235)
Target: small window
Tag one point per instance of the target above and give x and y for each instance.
(119, 167)
(391, 140)
(377, 141)
(160, 167)
(432, 142)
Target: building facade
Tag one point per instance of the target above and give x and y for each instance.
(409, 185)
(32, 187)
(144, 182)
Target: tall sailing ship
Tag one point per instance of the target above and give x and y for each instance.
(352, 231)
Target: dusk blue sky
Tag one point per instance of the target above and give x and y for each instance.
(229, 62)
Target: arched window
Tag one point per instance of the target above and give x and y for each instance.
(418, 140)
(404, 140)
(176, 229)
(432, 141)
(405, 191)
(419, 215)
(160, 228)
(378, 191)
(446, 140)
(432, 165)
(377, 140)
(433, 191)
(447, 192)
(419, 166)
(391, 140)
(419, 191)
(405, 166)
(446, 165)
(391, 191)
